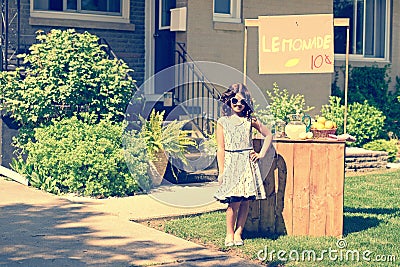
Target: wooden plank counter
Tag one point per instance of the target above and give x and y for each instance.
(304, 188)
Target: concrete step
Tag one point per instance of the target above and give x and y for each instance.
(183, 177)
(171, 112)
(200, 169)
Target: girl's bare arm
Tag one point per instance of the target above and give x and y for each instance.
(220, 148)
(267, 138)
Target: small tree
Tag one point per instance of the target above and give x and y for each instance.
(66, 72)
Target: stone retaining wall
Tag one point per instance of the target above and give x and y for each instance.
(362, 160)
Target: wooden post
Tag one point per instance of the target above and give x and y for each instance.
(245, 56)
(346, 82)
(345, 22)
(247, 23)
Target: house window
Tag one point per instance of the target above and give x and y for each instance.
(165, 14)
(227, 11)
(369, 36)
(96, 10)
(90, 6)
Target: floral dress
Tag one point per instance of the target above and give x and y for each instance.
(241, 177)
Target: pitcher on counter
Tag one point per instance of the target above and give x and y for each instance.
(238, 170)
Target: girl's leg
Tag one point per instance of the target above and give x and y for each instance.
(231, 216)
(241, 219)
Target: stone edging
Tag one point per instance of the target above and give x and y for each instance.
(361, 160)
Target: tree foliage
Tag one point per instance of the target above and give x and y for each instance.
(66, 73)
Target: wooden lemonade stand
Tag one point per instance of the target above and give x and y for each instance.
(304, 181)
(304, 189)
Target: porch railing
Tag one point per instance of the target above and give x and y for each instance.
(195, 93)
(10, 34)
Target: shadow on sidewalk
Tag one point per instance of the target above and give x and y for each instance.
(61, 235)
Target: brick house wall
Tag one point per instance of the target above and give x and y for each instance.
(127, 41)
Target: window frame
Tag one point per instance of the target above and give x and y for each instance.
(366, 58)
(87, 16)
(160, 13)
(233, 17)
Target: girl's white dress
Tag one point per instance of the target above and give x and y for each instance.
(241, 177)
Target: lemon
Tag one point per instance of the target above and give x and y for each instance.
(309, 135)
(319, 126)
(321, 120)
(329, 125)
(303, 136)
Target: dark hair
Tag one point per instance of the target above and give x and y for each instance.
(237, 88)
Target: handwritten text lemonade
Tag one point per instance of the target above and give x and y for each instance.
(277, 44)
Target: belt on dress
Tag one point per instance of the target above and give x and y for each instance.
(239, 150)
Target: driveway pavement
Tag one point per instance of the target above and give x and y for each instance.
(40, 229)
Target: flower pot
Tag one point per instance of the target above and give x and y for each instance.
(158, 167)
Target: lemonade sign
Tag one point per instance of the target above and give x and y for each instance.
(296, 44)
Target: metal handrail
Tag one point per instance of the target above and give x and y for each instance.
(6, 23)
(186, 55)
(196, 91)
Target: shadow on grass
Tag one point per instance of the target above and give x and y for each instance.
(358, 223)
(353, 224)
(271, 236)
(276, 264)
(373, 211)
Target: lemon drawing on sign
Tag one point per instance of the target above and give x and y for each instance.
(292, 62)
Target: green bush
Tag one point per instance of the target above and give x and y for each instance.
(371, 83)
(72, 156)
(281, 105)
(66, 72)
(364, 121)
(389, 146)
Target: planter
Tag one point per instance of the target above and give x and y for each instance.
(157, 168)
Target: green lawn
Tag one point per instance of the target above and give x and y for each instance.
(371, 230)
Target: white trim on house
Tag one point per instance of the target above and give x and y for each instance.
(123, 18)
(160, 13)
(149, 44)
(363, 58)
(233, 17)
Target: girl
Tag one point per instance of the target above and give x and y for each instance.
(239, 175)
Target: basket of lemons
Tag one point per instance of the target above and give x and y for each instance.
(322, 128)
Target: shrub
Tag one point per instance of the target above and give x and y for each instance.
(71, 156)
(364, 121)
(282, 104)
(389, 146)
(66, 72)
(371, 83)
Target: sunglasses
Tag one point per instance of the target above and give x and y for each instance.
(234, 101)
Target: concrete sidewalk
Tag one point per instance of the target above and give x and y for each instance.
(40, 229)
